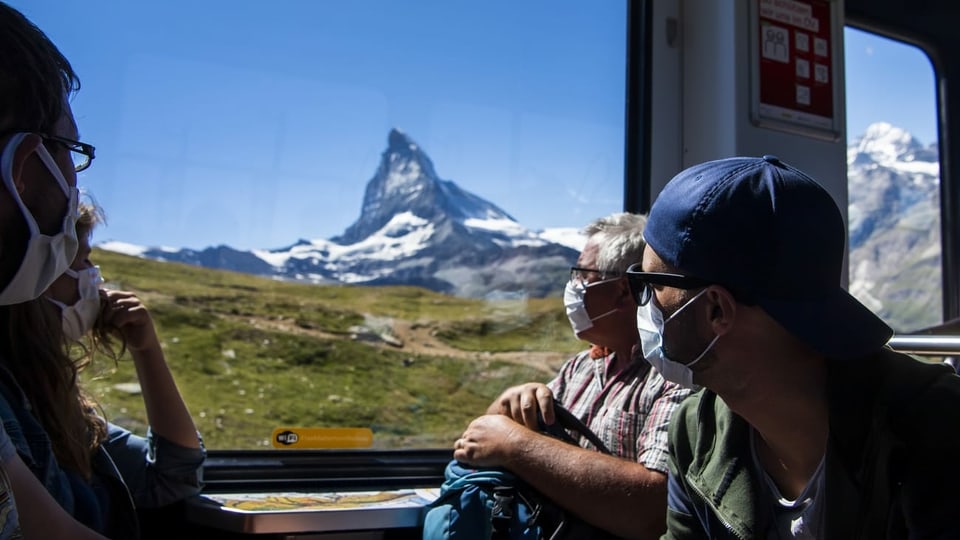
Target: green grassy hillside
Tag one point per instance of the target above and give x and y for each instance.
(251, 354)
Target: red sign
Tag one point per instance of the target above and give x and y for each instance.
(795, 61)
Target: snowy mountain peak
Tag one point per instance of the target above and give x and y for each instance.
(885, 144)
(406, 182)
(403, 163)
(414, 229)
(398, 141)
(893, 222)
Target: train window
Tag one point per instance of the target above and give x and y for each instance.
(893, 176)
(344, 214)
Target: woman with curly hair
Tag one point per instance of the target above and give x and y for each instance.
(97, 471)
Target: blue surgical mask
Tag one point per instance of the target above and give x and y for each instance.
(650, 325)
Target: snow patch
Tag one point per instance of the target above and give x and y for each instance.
(570, 237)
(124, 248)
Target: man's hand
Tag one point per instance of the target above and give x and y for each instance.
(488, 441)
(521, 403)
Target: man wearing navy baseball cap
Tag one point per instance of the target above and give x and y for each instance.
(808, 427)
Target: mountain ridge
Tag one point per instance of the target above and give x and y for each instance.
(894, 226)
(414, 228)
(418, 229)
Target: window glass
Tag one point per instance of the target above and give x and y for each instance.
(893, 172)
(344, 214)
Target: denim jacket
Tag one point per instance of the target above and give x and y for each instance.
(129, 471)
(888, 470)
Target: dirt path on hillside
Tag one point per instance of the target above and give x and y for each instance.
(415, 338)
(420, 339)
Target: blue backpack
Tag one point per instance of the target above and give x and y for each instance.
(480, 505)
(494, 504)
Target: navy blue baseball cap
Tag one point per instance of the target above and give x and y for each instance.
(774, 237)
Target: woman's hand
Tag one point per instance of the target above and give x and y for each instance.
(124, 311)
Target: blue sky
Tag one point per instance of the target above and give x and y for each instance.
(222, 122)
(890, 81)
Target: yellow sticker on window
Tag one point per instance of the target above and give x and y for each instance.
(297, 437)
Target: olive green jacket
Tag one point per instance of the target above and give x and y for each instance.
(889, 467)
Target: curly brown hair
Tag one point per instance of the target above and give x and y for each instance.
(34, 351)
(46, 365)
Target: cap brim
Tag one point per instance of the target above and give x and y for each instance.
(837, 326)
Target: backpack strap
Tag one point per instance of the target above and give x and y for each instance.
(502, 512)
(566, 420)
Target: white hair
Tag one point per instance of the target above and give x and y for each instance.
(619, 240)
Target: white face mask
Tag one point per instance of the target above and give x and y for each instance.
(650, 325)
(79, 318)
(47, 257)
(580, 319)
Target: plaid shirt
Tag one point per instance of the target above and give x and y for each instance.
(9, 519)
(630, 410)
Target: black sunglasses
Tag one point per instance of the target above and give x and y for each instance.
(640, 282)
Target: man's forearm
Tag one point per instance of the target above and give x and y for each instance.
(619, 496)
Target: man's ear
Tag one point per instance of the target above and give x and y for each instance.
(721, 309)
(26, 149)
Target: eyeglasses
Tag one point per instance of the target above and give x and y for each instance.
(81, 153)
(583, 275)
(640, 282)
